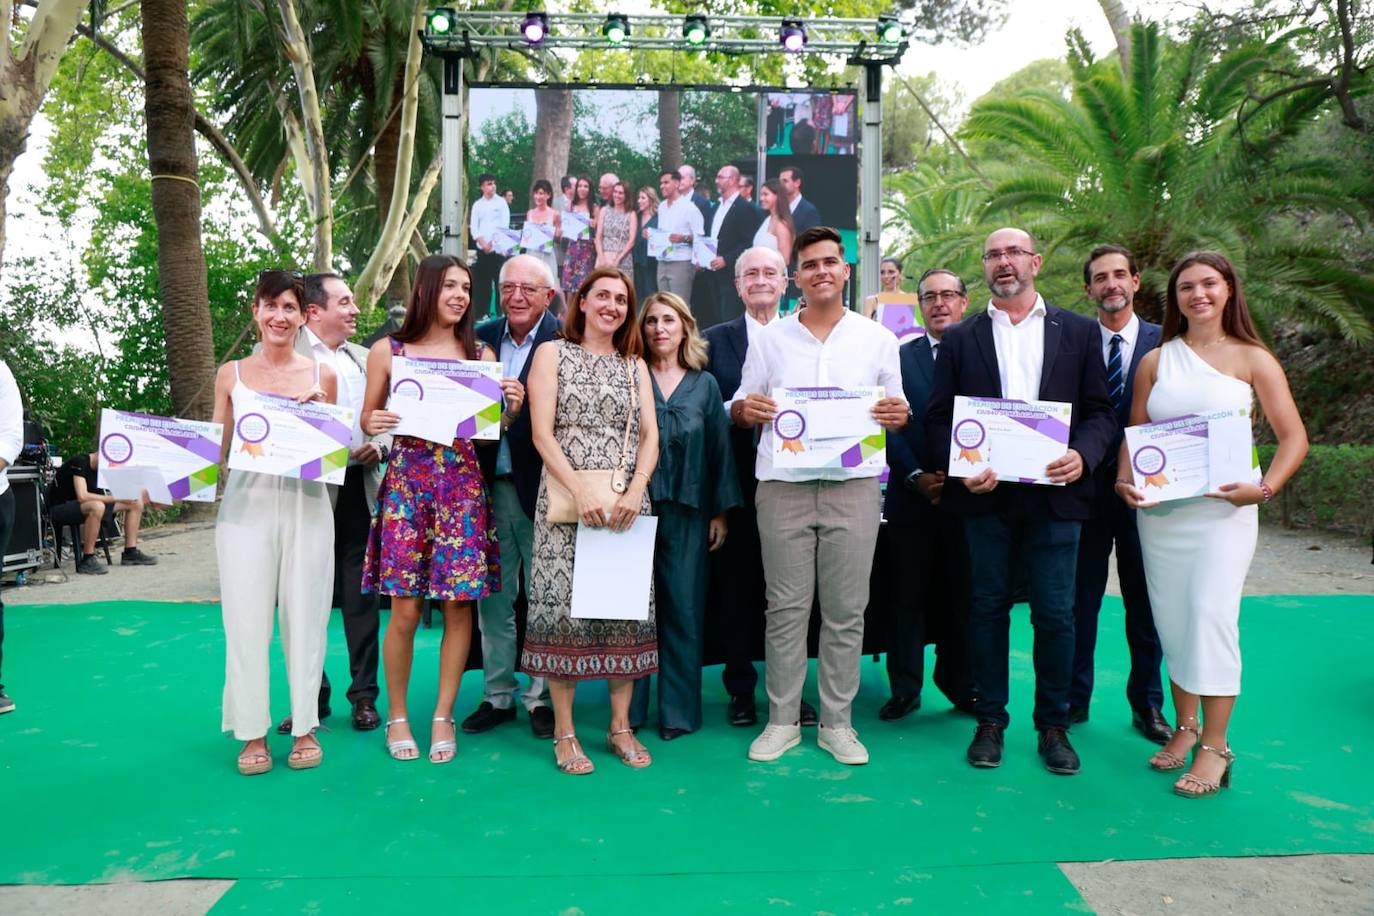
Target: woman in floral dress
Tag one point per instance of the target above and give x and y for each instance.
(581, 257)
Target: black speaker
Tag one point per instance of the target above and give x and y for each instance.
(25, 547)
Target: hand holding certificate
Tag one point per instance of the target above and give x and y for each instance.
(1017, 440)
(704, 251)
(169, 458)
(828, 427)
(537, 238)
(659, 243)
(445, 399)
(288, 438)
(577, 227)
(1189, 456)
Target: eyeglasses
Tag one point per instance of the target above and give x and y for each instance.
(998, 253)
(947, 296)
(526, 289)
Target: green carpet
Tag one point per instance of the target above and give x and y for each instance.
(112, 768)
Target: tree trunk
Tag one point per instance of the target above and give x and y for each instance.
(318, 188)
(1119, 18)
(553, 112)
(384, 171)
(182, 286)
(25, 74)
(670, 128)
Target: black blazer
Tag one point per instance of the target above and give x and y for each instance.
(804, 217)
(1072, 371)
(906, 447)
(703, 203)
(525, 462)
(728, 344)
(736, 235)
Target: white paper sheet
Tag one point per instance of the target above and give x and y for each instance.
(613, 571)
(130, 483)
(704, 251)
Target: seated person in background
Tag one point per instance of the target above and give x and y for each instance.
(78, 501)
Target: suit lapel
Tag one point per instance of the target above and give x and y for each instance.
(982, 333)
(1054, 328)
(739, 339)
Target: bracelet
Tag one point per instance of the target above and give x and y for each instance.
(640, 474)
(1267, 490)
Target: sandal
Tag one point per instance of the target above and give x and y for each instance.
(578, 765)
(253, 763)
(1165, 761)
(636, 757)
(449, 746)
(1191, 785)
(305, 757)
(394, 748)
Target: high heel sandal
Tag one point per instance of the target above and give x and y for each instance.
(1206, 787)
(443, 747)
(1165, 761)
(628, 757)
(573, 765)
(394, 748)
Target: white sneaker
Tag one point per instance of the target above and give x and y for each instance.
(774, 741)
(843, 744)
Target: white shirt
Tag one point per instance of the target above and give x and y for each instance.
(934, 349)
(792, 204)
(785, 354)
(718, 219)
(680, 217)
(11, 423)
(489, 215)
(352, 382)
(1128, 338)
(1020, 350)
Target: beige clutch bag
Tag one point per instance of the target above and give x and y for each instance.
(606, 485)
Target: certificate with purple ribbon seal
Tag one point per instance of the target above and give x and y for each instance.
(1192, 455)
(445, 399)
(1017, 439)
(828, 428)
(277, 435)
(170, 458)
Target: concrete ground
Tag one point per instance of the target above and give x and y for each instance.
(1286, 562)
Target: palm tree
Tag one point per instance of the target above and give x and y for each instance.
(939, 219)
(1154, 159)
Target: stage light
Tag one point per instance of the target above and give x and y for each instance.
(696, 29)
(440, 21)
(535, 28)
(792, 35)
(890, 31)
(616, 29)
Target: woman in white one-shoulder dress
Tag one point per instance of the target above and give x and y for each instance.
(1197, 552)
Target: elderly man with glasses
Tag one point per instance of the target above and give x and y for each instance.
(526, 287)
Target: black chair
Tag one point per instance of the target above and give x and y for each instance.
(109, 530)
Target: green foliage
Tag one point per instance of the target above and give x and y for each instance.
(1333, 489)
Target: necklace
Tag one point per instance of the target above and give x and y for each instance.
(1208, 345)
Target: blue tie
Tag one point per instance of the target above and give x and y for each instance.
(1116, 379)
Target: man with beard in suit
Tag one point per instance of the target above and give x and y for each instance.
(732, 225)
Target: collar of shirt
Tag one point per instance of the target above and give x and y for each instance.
(514, 355)
(718, 218)
(792, 204)
(1037, 311)
(1128, 334)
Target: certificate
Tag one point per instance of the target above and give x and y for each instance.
(1192, 455)
(1017, 439)
(828, 428)
(276, 435)
(446, 399)
(505, 241)
(704, 251)
(900, 314)
(612, 571)
(167, 456)
(659, 243)
(537, 237)
(576, 226)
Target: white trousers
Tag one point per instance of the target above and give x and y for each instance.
(274, 540)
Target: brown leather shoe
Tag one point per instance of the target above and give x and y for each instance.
(365, 716)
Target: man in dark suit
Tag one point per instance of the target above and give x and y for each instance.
(804, 212)
(926, 544)
(1024, 349)
(1111, 279)
(526, 288)
(732, 226)
(737, 567)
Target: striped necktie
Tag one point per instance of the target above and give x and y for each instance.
(1116, 379)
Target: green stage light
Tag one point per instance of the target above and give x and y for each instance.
(440, 21)
(890, 31)
(696, 29)
(616, 29)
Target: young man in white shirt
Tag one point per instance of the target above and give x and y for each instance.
(818, 526)
(11, 443)
(681, 219)
(490, 213)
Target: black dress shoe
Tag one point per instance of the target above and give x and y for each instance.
(985, 750)
(1078, 715)
(365, 717)
(808, 714)
(486, 717)
(284, 727)
(541, 722)
(1152, 724)
(742, 710)
(1059, 755)
(670, 734)
(899, 708)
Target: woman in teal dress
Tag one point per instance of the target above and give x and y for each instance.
(693, 488)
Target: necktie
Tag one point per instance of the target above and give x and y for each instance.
(1116, 379)
(934, 351)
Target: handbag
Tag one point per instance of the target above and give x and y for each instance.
(605, 485)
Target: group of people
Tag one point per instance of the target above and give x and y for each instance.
(620, 220)
(626, 408)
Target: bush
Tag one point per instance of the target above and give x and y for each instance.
(1334, 489)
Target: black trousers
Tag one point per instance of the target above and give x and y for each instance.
(486, 275)
(361, 620)
(928, 588)
(737, 568)
(6, 526)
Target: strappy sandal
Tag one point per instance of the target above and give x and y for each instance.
(253, 763)
(394, 748)
(636, 757)
(449, 746)
(1165, 761)
(1190, 785)
(578, 765)
(307, 757)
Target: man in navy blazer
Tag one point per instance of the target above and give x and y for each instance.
(927, 545)
(1022, 348)
(526, 287)
(733, 225)
(804, 212)
(1110, 278)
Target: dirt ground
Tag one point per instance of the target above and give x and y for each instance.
(1286, 562)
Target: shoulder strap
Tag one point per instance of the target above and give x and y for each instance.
(397, 348)
(629, 413)
(236, 370)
